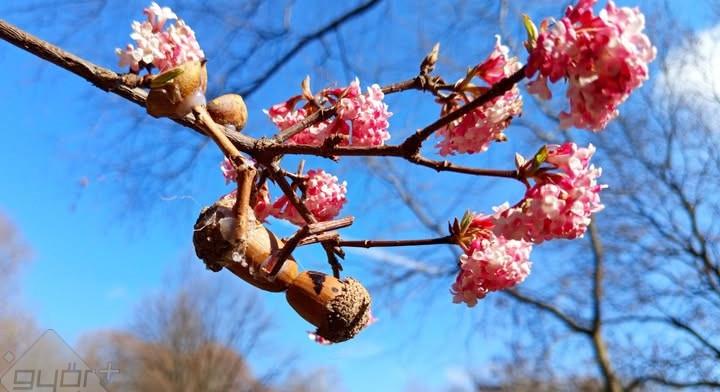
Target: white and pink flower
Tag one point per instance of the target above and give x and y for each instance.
(324, 197)
(490, 263)
(163, 49)
(560, 203)
(603, 57)
(475, 131)
(362, 119)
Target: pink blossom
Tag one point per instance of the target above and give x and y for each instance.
(157, 16)
(131, 57)
(490, 263)
(362, 119)
(367, 114)
(325, 197)
(263, 207)
(475, 131)
(603, 57)
(560, 204)
(284, 116)
(228, 170)
(163, 49)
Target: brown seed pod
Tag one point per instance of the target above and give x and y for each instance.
(213, 240)
(173, 93)
(229, 109)
(338, 308)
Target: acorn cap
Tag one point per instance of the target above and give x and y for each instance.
(214, 244)
(228, 109)
(338, 308)
(174, 92)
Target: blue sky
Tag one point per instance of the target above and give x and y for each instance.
(96, 255)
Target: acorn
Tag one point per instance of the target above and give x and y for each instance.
(338, 308)
(175, 92)
(214, 244)
(229, 109)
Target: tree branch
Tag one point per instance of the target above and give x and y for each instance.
(555, 311)
(395, 243)
(304, 41)
(125, 86)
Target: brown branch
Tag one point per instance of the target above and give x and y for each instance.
(397, 151)
(216, 132)
(103, 78)
(124, 86)
(414, 142)
(245, 180)
(315, 229)
(331, 236)
(330, 250)
(395, 243)
(245, 174)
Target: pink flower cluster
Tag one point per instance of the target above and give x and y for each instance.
(362, 119)
(228, 170)
(475, 131)
(324, 197)
(163, 49)
(604, 57)
(560, 203)
(490, 263)
(284, 115)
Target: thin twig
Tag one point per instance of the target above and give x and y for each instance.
(245, 180)
(396, 243)
(414, 142)
(330, 250)
(311, 229)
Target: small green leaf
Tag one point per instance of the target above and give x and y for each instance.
(466, 220)
(541, 156)
(165, 77)
(532, 32)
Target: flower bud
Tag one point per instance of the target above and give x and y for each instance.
(338, 308)
(229, 109)
(176, 91)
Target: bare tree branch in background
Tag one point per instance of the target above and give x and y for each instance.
(198, 336)
(17, 327)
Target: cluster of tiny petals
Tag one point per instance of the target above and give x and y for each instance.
(559, 204)
(362, 119)
(604, 57)
(228, 170)
(475, 131)
(284, 116)
(367, 113)
(263, 207)
(157, 46)
(324, 197)
(490, 263)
